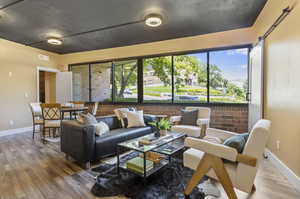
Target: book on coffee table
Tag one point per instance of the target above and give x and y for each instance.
(137, 164)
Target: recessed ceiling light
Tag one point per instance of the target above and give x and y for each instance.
(153, 20)
(54, 41)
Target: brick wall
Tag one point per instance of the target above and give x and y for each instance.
(231, 118)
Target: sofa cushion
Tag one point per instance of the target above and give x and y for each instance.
(107, 144)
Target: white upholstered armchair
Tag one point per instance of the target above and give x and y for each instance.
(193, 131)
(206, 158)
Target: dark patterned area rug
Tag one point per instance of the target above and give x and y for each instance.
(168, 183)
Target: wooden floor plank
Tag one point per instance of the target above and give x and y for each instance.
(32, 170)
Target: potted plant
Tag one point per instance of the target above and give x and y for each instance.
(162, 126)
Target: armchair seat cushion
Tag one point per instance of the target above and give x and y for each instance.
(193, 131)
(192, 158)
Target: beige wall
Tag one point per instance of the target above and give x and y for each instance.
(282, 85)
(50, 87)
(221, 39)
(22, 62)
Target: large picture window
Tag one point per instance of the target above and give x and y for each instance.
(228, 72)
(190, 76)
(125, 81)
(157, 79)
(101, 82)
(212, 76)
(81, 87)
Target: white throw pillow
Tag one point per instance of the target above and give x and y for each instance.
(135, 119)
(101, 128)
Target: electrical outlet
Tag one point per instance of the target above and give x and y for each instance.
(278, 145)
(26, 95)
(11, 122)
(10, 74)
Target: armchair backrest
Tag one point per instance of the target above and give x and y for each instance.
(204, 112)
(254, 147)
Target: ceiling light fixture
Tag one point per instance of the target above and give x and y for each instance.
(54, 41)
(153, 20)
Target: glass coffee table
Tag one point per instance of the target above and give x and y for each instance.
(164, 146)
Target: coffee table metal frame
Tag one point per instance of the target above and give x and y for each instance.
(147, 148)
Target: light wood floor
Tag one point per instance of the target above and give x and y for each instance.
(31, 170)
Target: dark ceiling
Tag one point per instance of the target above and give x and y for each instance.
(32, 21)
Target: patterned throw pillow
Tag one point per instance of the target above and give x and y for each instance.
(135, 119)
(121, 114)
(101, 128)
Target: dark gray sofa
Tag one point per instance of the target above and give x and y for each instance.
(81, 143)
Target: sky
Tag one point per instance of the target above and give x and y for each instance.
(233, 63)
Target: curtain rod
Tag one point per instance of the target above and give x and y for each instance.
(284, 14)
(11, 4)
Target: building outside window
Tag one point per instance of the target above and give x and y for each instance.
(80, 82)
(190, 78)
(157, 79)
(101, 82)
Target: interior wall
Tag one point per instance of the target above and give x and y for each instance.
(20, 88)
(282, 82)
(50, 87)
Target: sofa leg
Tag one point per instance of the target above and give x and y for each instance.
(87, 165)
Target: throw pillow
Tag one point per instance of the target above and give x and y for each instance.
(87, 119)
(121, 114)
(101, 128)
(189, 117)
(238, 142)
(135, 119)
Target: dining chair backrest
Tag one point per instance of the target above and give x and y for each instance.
(36, 109)
(51, 111)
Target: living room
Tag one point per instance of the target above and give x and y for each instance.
(162, 99)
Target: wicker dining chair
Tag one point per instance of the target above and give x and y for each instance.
(37, 117)
(52, 118)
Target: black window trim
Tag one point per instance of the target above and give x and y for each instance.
(140, 87)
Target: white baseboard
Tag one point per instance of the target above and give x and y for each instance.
(286, 171)
(15, 131)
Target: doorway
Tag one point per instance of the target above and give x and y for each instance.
(47, 87)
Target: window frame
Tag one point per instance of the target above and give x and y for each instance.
(140, 86)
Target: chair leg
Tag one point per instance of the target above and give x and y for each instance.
(202, 169)
(253, 188)
(223, 177)
(33, 131)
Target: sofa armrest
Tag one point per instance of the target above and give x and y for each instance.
(175, 119)
(78, 141)
(149, 118)
(202, 121)
(215, 149)
(222, 134)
